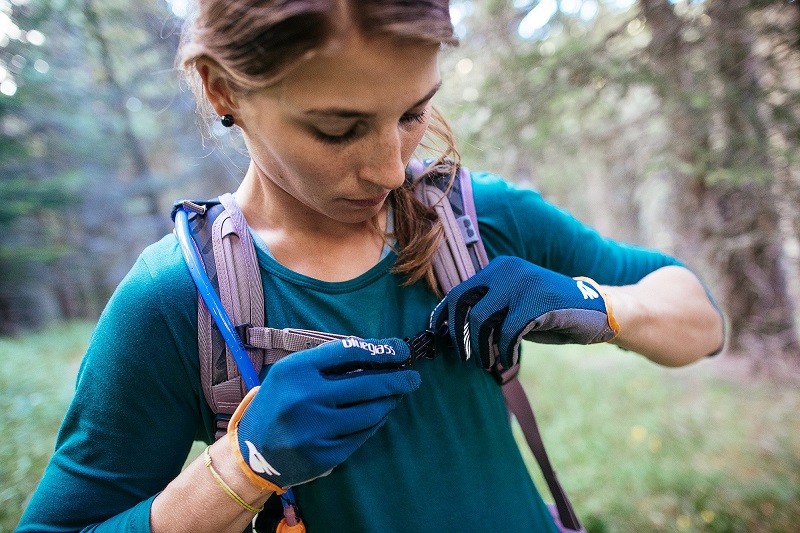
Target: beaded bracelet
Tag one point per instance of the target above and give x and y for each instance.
(229, 491)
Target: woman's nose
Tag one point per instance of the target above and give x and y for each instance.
(383, 162)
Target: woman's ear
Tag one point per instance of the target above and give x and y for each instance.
(216, 87)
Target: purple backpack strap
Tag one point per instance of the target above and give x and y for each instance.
(459, 257)
(518, 403)
(228, 256)
(278, 343)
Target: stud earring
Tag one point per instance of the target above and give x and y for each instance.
(227, 121)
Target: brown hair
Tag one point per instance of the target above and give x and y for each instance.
(256, 43)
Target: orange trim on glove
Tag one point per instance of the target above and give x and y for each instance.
(612, 321)
(233, 435)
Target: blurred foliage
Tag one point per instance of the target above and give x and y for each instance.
(703, 448)
(670, 124)
(654, 121)
(96, 140)
(568, 110)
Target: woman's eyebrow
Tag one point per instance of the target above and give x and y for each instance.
(339, 112)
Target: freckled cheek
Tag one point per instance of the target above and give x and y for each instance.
(312, 171)
(284, 154)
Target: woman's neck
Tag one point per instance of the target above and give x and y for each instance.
(307, 241)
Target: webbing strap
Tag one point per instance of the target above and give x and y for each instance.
(240, 281)
(452, 262)
(474, 242)
(278, 343)
(518, 404)
(248, 277)
(461, 253)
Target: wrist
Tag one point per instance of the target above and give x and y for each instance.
(627, 312)
(226, 465)
(612, 299)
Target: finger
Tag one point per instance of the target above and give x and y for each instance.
(351, 353)
(439, 315)
(337, 449)
(509, 337)
(486, 321)
(356, 418)
(443, 313)
(360, 387)
(487, 337)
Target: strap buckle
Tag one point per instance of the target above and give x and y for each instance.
(423, 346)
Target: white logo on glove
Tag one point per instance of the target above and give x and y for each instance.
(374, 349)
(258, 463)
(467, 343)
(589, 293)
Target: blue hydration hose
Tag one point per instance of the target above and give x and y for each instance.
(226, 327)
(211, 298)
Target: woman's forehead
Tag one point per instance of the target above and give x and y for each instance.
(361, 74)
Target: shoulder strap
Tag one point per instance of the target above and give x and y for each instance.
(460, 256)
(228, 255)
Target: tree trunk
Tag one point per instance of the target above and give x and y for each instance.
(723, 180)
(134, 148)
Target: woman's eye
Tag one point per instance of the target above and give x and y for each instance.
(336, 139)
(359, 127)
(410, 118)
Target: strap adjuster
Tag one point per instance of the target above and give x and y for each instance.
(503, 375)
(242, 332)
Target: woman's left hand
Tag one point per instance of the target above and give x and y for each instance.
(489, 314)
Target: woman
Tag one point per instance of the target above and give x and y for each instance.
(332, 99)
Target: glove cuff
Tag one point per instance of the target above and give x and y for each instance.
(233, 435)
(612, 321)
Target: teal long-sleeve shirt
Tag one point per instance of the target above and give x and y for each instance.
(445, 460)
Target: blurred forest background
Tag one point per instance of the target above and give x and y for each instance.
(671, 123)
(668, 123)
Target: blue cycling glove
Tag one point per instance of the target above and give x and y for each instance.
(316, 407)
(488, 314)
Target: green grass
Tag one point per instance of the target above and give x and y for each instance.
(37, 379)
(644, 448)
(638, 447)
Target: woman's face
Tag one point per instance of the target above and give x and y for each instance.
(334, 137)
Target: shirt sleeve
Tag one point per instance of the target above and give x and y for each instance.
(136, 410)
(519, 222)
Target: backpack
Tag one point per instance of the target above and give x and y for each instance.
(220, 237)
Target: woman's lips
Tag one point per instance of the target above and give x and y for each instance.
(367, 202)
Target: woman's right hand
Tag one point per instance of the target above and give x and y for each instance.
(316, 407)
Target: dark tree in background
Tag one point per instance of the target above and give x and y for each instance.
(667, 123)
(716, 90)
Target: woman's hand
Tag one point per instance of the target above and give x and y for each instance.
(489, 314)
(316, 407)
